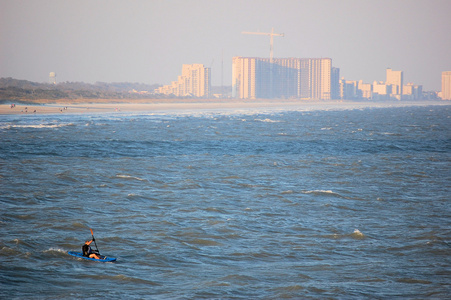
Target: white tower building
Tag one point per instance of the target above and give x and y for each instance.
(52, 78)
(446, 85)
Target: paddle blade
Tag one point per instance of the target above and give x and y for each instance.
(92, 233)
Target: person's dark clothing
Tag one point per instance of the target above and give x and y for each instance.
(86, 250)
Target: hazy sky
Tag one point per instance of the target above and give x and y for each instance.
(148, 41)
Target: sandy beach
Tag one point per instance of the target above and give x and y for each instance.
(195, 105)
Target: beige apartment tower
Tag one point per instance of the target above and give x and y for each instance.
(319, 77)
(446, 85)
(195, 81)
(394, 79)
(244, 77)
(305, 78)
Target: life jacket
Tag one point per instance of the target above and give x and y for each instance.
(86, 250)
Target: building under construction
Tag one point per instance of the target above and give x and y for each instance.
(303, 78)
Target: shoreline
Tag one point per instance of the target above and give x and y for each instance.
(182, 105)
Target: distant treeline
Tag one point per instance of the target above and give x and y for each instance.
(23, 90)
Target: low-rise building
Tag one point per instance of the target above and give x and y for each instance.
(365, 90)
(411, 91)
(381, 91)
(348, 89)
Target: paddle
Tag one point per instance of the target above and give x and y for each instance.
(92, 233)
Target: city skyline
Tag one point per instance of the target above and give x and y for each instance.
(148, 41)
(318, 79)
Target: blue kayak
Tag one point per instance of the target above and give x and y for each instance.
(102, 257)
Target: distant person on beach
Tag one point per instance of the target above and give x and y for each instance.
(87, 251)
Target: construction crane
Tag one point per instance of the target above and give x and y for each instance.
(271, 36)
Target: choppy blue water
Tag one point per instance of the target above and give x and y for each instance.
(345, 204)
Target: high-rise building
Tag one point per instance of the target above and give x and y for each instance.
(446, 85)
(335, 83)
(52, 78)
(244, 79)
(395, 79)
(319, 77)
(308, 78)
(194, 81)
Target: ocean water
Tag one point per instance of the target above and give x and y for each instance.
(322, 204)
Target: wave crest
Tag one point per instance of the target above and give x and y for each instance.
(129, 177)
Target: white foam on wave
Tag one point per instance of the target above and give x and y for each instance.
(357, 234)
(129, 177)
(319, 192)
(390, 134)
(133, 195)
(58, 250)
(267, 120)
(324, 193)
(35, 126)
(6, 250)
(287, 192)
(356, 231)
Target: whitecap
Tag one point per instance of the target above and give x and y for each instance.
(129, 177)
(390, 134)
(35, 126)
(267, 120)
(357, 234)
(317, 192)
(58, 250)
(287, 192)
(356, 231)
(325, 193)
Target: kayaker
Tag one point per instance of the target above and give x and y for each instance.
(87, 251)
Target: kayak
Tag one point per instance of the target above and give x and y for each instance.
(102, 257)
